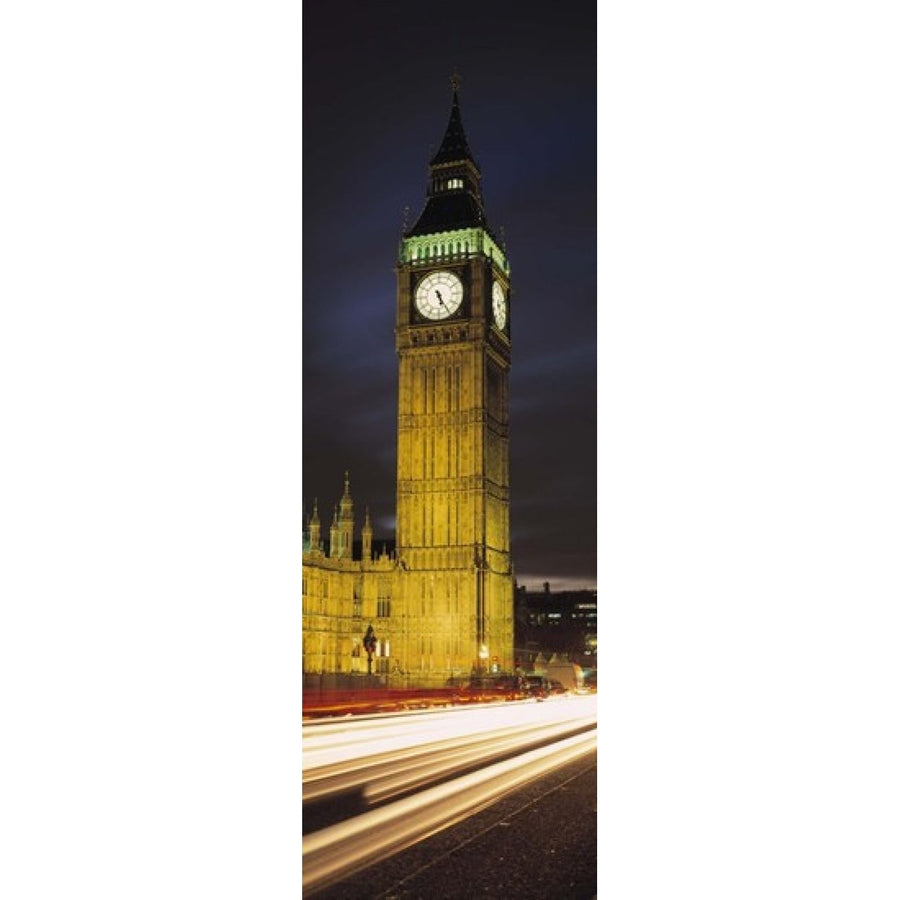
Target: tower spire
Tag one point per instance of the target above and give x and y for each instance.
(454, 195)
(454, 147)
(346, 523)
(346, 500)
(334, 549)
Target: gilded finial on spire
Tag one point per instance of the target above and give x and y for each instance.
(455, 80)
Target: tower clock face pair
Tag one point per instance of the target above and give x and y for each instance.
(439, 295)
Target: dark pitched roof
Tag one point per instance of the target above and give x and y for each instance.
(446, 212)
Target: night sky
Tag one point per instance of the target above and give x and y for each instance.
(376, 100)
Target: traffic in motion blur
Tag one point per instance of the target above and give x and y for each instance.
(373, 785)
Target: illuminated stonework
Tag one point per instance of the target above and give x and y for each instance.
(456, 244)
(442, 604)
(453, 434)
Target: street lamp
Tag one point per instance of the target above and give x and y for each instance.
(370, 642)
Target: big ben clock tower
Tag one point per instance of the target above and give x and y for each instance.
(453, 343)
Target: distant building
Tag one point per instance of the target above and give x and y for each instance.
(562, 623)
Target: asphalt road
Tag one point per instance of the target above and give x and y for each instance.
(539, 841)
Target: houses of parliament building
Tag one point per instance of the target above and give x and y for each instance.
(440, 604)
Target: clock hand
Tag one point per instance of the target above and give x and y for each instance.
(440, 298)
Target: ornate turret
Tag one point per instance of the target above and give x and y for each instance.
(334, 547)
(367, 538)
(315, 528)
(346, 523)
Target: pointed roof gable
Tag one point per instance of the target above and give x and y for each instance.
(454, 147)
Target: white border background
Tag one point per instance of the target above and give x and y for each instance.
(150, 244)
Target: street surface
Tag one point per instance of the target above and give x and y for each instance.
(536, 843)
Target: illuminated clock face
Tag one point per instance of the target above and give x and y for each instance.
(499, 305)
(439, 295)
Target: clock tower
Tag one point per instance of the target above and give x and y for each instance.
(453, 343)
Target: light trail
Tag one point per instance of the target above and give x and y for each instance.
(328, 742)
(379, 760)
